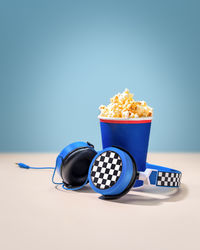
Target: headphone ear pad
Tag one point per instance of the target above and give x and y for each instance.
(75, 166)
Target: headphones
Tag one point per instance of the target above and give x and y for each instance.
(111, 172)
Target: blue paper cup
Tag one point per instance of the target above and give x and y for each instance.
(129, 134)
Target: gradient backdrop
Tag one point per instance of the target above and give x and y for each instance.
(59, 60)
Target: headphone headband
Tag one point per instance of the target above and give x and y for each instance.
(160, 176)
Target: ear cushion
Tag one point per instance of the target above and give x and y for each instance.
(75, 166)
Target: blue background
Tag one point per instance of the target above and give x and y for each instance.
(59, 60)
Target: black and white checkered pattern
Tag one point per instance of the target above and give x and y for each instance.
(106, 170)
(167, 179)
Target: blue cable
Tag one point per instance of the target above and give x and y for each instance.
(75, 188)
(22, 165)
(52, 179)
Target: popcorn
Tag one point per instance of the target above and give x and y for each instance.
(123, 105)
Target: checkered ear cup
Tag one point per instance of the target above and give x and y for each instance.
(166, 179)
(106, 170)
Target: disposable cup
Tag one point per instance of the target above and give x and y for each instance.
(129, 134)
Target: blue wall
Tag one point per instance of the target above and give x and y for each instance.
(59, 60)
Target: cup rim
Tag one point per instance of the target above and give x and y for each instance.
(126, 119)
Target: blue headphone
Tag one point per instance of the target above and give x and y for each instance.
(111, 172)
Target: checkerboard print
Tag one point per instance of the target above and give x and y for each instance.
(106, 170)
(168, 179)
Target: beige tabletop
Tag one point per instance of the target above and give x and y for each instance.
(34, 214)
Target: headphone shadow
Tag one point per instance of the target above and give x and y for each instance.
(85, 189)
(153, 196)
(145, 196)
